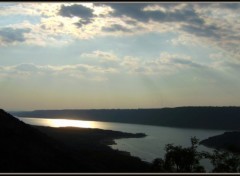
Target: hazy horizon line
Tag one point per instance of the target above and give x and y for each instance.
(114, 108)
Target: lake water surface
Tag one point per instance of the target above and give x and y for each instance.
(147, 148)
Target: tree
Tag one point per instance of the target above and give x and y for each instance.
(179, 159)
(158, 165)
(224, 161)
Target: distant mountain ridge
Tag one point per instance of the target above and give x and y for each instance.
(226, 118)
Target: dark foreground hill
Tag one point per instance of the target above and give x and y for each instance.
(26, 148)
(226, 118)
(228, 141)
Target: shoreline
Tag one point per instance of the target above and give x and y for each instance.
(195, 117)
(37, 149)
(89, 139)
(228, 141)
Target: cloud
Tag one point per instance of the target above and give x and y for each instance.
(164, 65)
(202, 31)
(185, 62)
(76, 11)
(26, 67)
(10, 35)
(130, 61)
(225, 21)
(185, 39)
(116, 27)
(133, 10)
(233, 65)
(30, 9)
(85, 13)
(173, 63)
(159, 17)
(84, 22)
(84, 68)
(231, 6)
(212, 24)
(204, 24)
(216, 56)
(229, 66)
(142, 12)
(50, 32)
(104, 56)
(80, 71)
(186, 15)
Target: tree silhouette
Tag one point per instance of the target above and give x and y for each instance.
(224, 161)
(158, 165)
(179, 159)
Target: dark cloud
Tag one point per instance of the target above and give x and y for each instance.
(186, 62)
(76, 10)
(84, 22)
(135, 11)
(187, 14)
(202, 30)
(116, 27)
(10, 35)
(130, 22)
(225, 5)
(79, 11)
(231, 6)
(43, 26)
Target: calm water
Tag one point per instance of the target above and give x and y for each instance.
(147, 148)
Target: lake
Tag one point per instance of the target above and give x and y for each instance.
(147, 148)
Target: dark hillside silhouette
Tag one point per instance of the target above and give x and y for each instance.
(26, 149)
(228, 141)
(227, 118)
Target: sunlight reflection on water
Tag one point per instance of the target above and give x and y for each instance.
(59, 122)
(147, 148)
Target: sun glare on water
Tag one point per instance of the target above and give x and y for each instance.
(70, 123)
(59, 122)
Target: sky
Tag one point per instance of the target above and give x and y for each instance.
(119, 55)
